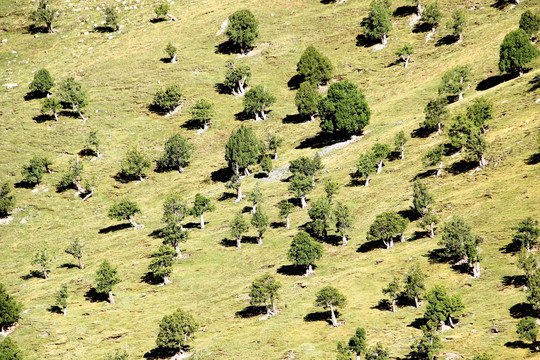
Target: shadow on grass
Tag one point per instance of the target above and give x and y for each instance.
(461, 166)
(533, 159)
(246, 209)
(226, 48)
(150, 279)
(33, 29)
(417, 235)
(409, 214)
(418, 323)
(104, 29)
(250, 311)
(194, 225)
(295, 81)
(55, 309)
(405, 10)
(228, 242)
(511, 248)
(446, 40)
(425, 174)
(514, 280)
(291, 270)
(325, 316)
(493, 81)
(222, 89)
(221, 175)
(69, 113)
(87, 153)
(159, 353)
(114, 228)
(277, 224)
(226, 196)
(294, 119)
(535, 82)
(501, 4)
(518, 344)
(383, 305)
(320, 140)
(191, 124)
(93, 296)
(363, 40)
(41, 118)
(422, 132)
(23, 185)
(33, 274)
(31, 95)
(333, 239)
(522, 310)
(356, 181)
(368, 246)
(157, 20)
(420, 27)
(436, 256)
(123, 178)
(68, 266)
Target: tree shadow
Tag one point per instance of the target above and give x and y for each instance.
(277, 224)
(226, 196)
(501, 4)
(293, 119)
(23, 185)
(93, 296)
(291, 270)
(31, 95)
(522, 310)
(511, 248)
(123, 178)
(363, 40)
(295, 81)
(243, 116)
(425, 174)
(405, 10)
(104, 29)
(368, 246)
(383, 305)
(446, 40)
(250, 240)
(33, 29)
(222, 89)
(159, 353)
(251, 311)
(150, 279)
(321, 316)
(221, 175)
(421, 28)
(156, 109)
(157, 20)
(518, 344)
(114, 228)
(55, 309)
(165, 60)
(514, 280)
(228, 242)
(191, 124)
(417, 235)
(261, 175)
(533, 159)
(333, 239)
(226, 48)
(320, 140)
(355, 181)
(68, 266)
(418, 323)
(535, 83)
(461, 166)
(33, 274)
(246, 209)
(436, 256)
(421, 132)
(41, 118)
(87, 153)
(68, 113)
(194, 225)
(493, 81)
(409, 214)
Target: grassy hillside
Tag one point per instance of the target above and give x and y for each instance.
(123, 70)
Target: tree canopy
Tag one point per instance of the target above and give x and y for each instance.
(441, 307)
(72, 93)
(42, 83)
(378, 24)
(243, 29)
(455, 80)
(10, 309)
(176, 330)
(9, 350)
(385, 227)
(264, 290)
(176, 154)
(304, 251)
(515, 52)
(242, 149)
(169, 99)
(307, 100)
(256, 100)
(314, 67)
(329, 297)
(106, 278)
(44, 15)
(529, 22)
(7, 199)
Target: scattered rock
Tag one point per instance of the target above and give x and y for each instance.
(414, 20)
(10, 86)
(24, 220)
(4, 41)
(452, 356)
(6, 221)
(378, 47)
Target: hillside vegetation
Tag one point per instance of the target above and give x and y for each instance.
(122, 71)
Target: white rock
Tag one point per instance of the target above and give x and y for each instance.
(10, 86)
(4, 41)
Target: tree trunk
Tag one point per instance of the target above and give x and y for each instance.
(257, 117)
(275, 154)
(202, 222)
(379, 167)
(239, 194)
(393, 305)
(433, 29)
(173, 59)
(439, 170)
(419, 9)
(439, 130)
(65, 311)
(303, 201)
(254, 208)
(476, 270)
(387, 244)
(4, 333)
(431, 230)
(111, 297)
(450, 321)
(141, 178)
(166, 280)
(406, 62)
(288, 222)
(236, 169)
(312, 117)
(89, 195)
(482, 162)
(274, 310)
(520, 72)
(344, 240)
(391, 243)
(460, 38)
(82, 116)
(239, 242)
(81, 265)
(134, 224)
(334, 320)
(383, 39)
(402, 151)
(516, 2)
(171, 18)
(178, 251)
(441, 324)
(246, 171)
(416, 304)
(460, 96)
(259, 240)
(180, 169)
(402, 237)
(45, 274)
(309, 270)
(241, 88)
(263, 114)
(55, 116)
(366, 184)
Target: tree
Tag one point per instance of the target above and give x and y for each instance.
(526, 233)
(529, 22)
(176, 330)
(320, 213)
(342, 215)
(171, 51)
(7, 199)
(378, 24)
(380, 153)
(72, 93)
(435, 113)
(9, 350)
(51, 105)
(329, 297)
(256, 100)
(176, 154)
(273, 142)
(174, 211)
(75, 249)
(528, 262)
(454, 81)
(307, 100)
(266, 165)
(238, 227)
(399, 143)
(202, 113)
(236, 78)
(242, 149)
(106, 279)
(515, 52)
(422, 199)
(201, 205)
(475, 148)
(527, 330)
(10, 310)
(330, 188)
(441, 307)
(304, 251)
(255, 197)
(385, 227)
(118, 355)
(413, 285)
(418, 4)
(392, 290)
(93, 143)
(125, 210)
(377, 352)
(235, 183)
(73, 177)
(168, 100)
(111, 18)
(134, 164)
(161, 264)
(42, 83)
(314, 67)
(61, 298)
(344, 110)
(342, 350)
(243, 30)
(301, 185)
(33, 171)
(44, 15)
(264, 290)
(357, 342)
(480, 112)
(260, 222)
(427, 346)
(162, 9)
(285, 210)
(459, 130)
(366, 165)
(458, 23)
(456, 233)
(43, 259)
(429, 221)
(533, 291)
(404, 54)
(306, 166)
(433, 157)
(432, 15)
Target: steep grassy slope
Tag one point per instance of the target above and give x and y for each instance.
(121, 75)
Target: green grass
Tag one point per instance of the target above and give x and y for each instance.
(122, 75)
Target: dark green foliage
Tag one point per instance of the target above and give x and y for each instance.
(255, 197)
(526, 233)
(527, 330)
(404, 53)
(106, 277)
(243, 30)
(377, 352)
(174, 211)
(380, 153)
(480, 112)
(459, 130)
(33, 171)
(329, 297)
(399, 143)
(93, 143)
(118, 355)
(51, 105)
(169, 99)
(344, 109)
(441, 307)
(342, 352)
(527, 261)
(44, 15)
(392, 290)
(43, 259)
(7, 199)
(385, 227)
(435, 112)
(264, 290)
(314, 67)
(456, 236)
(432, 15)
(378, 24)
(236, 78)
(366, 165)
(483, 356)
(357, 343)
(306, 166)
(171, 51)
(42, 83)
(9, 350)
(414, 284)
(238, 226)
(202, 112)
(242, 149)
(61, 297)
(72, 93)
(330, 188)
(10, 309)
(162, 9)
(202, 204)
(266, 164)
(134, 164)
(307, 100)
(176, 154)
(273, 142)
(422, 199)
(515, 52)
(342, 215)
(124, 210)
(301, 185)
(285, 209)
(320, 213)
(75, 249)
(72, 178)
(529, 22)
(260, 222)
(176, 330)
(428, 222)
(304, 251)
(427, 346)
(111, 18)
(162, 261)
(458, 23)
(475, 147)
(455, 80)
(256, 100)
(533, 290)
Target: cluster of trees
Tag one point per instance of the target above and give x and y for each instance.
(412, 290)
